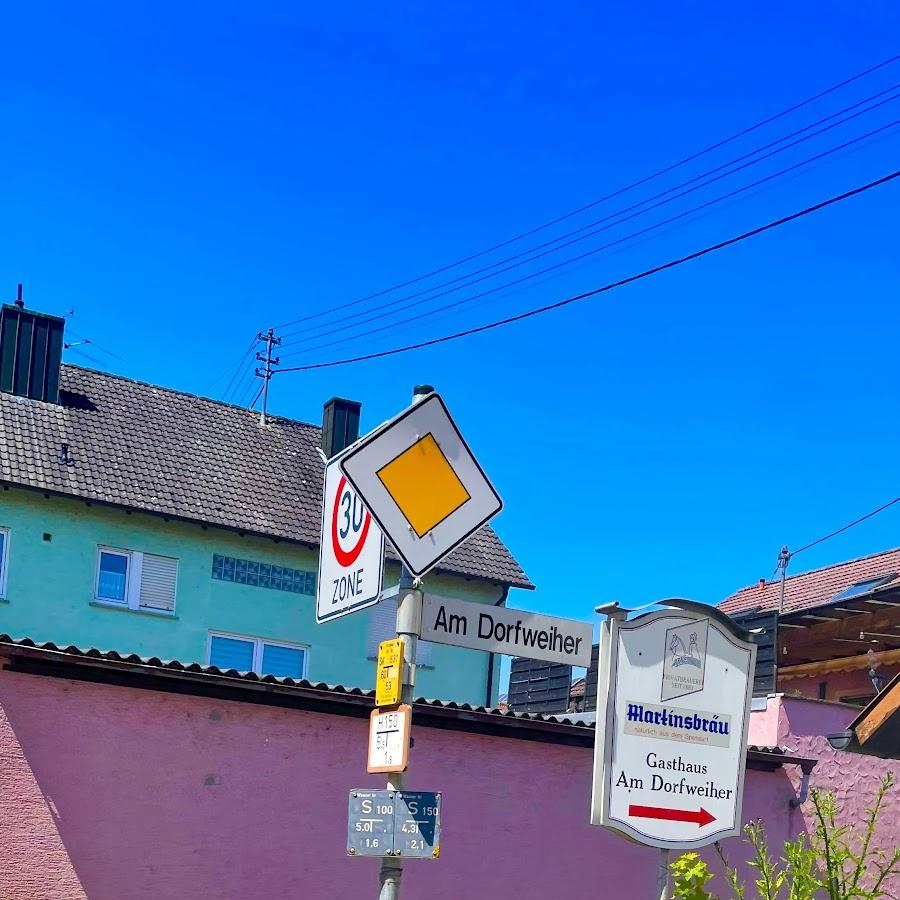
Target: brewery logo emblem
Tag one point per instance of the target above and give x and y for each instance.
(685, 659)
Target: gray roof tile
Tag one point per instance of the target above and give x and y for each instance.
(146, 447)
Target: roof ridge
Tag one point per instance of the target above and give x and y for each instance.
(180, 393)
(846, 562)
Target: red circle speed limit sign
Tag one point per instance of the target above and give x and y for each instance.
(351, 551)
(350, 523)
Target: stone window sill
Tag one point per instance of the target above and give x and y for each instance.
(118, 607)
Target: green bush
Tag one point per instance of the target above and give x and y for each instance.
(834, 860)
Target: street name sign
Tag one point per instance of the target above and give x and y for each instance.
(389, 739)
(394, 823)
(421, 483)
(671, 746)
(351, 550)
(500, 630)
(389, 672)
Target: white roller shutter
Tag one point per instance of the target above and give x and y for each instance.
(383, 627)
(159, 575)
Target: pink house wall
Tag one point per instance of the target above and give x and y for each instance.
(112, 792)
(838, 685)
(801, 726)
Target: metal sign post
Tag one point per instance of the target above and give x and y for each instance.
(662, 877)
(409, 623)
(420, 483)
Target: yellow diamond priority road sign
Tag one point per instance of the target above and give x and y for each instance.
(421, 483)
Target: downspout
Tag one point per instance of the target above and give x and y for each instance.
(489, 692)
(806, 768)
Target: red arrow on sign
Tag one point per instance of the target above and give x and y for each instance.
(700, 816)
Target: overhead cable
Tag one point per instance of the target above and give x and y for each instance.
(621, 212)
(95, 345)
(239, 366)
(618, 241)
(671, 264)
(847, 527)
(665, 170)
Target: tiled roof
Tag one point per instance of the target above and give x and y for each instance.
(809, 589)
(150, 448)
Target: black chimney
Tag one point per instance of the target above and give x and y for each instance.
(31, 345)
(340, 425)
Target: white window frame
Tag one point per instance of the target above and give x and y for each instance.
(133, 573)
(4, 560)
(258, 644)
(131, 597)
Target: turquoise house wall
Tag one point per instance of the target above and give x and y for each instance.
(50, 596)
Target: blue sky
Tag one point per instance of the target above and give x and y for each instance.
(185, 175)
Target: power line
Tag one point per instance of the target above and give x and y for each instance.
(613, 215)
(600, 200)
(612, 285)
(87, 340)
(240, 400)
(240, 365)
(367, 338)
(74, 349)
(847, 527)
(785, 556)
(587, 253)
(256, 398)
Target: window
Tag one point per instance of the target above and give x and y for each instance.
(4, 552)
(112, 581)
(247, 654)
(260, 574)
(136, 580)
(859, 700)
(383, 626)
(862, 587)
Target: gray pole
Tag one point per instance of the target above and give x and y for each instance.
(662, 878)
(409, 622)
(266, 373)
(784, 560)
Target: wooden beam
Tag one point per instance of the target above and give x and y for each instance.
(887, 705)
(883, 619)
(846, 663)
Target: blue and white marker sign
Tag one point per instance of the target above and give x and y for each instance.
(394, 823)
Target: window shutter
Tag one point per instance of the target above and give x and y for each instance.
(282, 661)
(231, 653)
(158, 577)
(383, 627)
